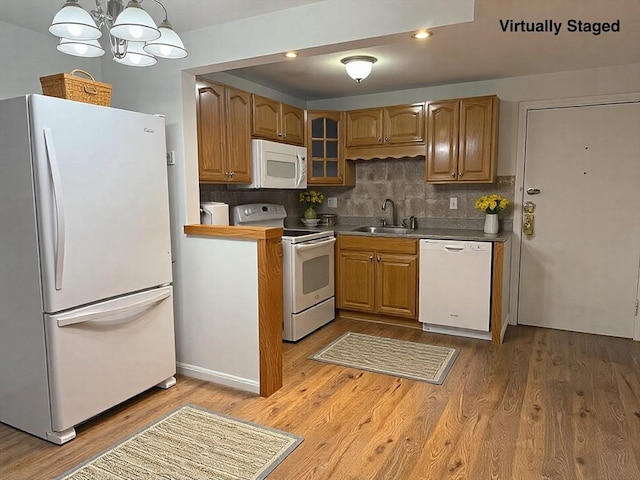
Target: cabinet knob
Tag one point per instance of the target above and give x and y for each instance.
(370, 258)
(386, 139)
(378, 258)
(379, 139)
(230, 174)
(460, 175)
(453, 174)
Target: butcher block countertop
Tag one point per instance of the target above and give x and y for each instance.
(227, 231)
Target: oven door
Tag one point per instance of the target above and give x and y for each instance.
(313, 272)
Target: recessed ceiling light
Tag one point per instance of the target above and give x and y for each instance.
(291, 54)
(422, 34)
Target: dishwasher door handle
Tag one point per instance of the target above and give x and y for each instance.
(453, 248)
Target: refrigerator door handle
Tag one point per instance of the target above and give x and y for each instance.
(57, 196)
(104, 315)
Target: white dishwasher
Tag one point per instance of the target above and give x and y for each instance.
(455, 286)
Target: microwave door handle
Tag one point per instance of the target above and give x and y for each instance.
(300, 171)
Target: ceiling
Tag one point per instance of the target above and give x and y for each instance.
(473, 51)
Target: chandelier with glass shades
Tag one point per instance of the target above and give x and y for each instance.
(135, 38)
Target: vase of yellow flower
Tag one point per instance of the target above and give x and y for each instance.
(310, 213)
(311, 198)
(491, 205)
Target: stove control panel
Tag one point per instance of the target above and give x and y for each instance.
(268, 214)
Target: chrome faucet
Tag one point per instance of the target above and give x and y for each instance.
(394, 215)
(411, 222)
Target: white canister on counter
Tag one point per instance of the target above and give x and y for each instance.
(214, 213)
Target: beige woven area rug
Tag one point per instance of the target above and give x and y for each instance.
(192, 443)
(417, 361)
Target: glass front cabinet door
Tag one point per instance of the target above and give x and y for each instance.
(326, 164)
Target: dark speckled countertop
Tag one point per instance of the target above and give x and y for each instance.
(433, 233)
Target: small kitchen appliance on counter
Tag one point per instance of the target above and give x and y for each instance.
(214, 213)
(307, 270)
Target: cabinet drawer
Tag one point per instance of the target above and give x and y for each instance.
(378, 244)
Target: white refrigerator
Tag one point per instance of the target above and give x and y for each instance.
(86, 312)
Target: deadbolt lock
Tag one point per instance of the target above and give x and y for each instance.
(528, 218)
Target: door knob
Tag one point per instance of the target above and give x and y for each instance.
(533, 191)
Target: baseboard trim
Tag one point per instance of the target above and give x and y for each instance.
(233, 381)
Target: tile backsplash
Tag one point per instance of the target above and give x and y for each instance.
(401, 180)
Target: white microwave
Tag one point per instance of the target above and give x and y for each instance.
(278, 165)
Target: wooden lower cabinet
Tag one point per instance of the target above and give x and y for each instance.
(396, 285)
(356, 281)
(377, 275)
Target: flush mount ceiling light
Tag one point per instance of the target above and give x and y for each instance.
(359, 66)
(421, 35)
(135, 39)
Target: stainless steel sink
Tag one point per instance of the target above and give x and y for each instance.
(379, 229)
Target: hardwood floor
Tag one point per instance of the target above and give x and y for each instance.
(544, 405)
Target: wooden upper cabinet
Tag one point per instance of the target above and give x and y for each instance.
(404, 124)
(364, 127)
(239, 160)
(266, 113)
(211, 131)
(462, 140)
(277, 121)
(478, 139)
(292, 124)
(396, 131)
(399, 125)
(326, 164)
(224, 133)
(442, 144)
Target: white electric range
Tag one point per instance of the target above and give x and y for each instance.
(307, 269)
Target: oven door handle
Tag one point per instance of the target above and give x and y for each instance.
(301, 247)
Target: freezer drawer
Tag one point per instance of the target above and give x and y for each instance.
(101, 355)
(455, 284)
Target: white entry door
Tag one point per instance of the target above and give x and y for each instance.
(579, 270)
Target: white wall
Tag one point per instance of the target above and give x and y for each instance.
(217, 335)
(25, 56)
